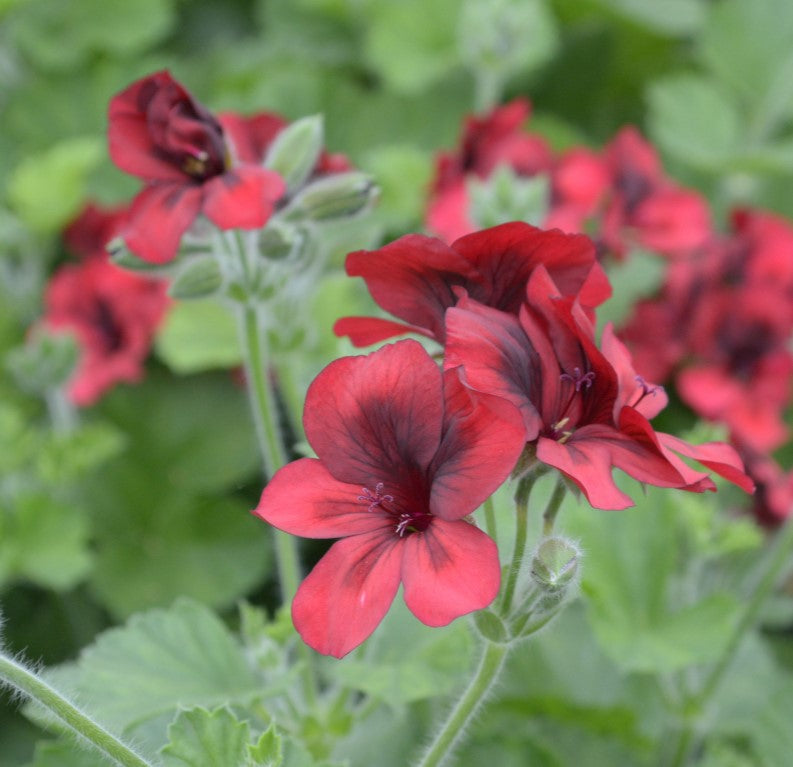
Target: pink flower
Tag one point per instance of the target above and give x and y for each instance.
(113, 314)
(405, 454)
(90, 232)
(417, 278)
(160, 133)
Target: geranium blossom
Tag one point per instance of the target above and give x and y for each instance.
(160, 133)
(92, 229)
(113, 314)
(405, 454)
(417, 278)
(584, 411)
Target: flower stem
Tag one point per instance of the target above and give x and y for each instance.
(490, 519)
(780, 558)
(473, 696)
(20, 678)
(552, 509)
(521, 529)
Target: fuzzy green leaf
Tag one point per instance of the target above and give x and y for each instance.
(201, 738)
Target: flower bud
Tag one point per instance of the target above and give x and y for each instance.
(124, 258)
(45, 362)
(277, 242)
(199, 278)
(339, 195)
(295, 151)
(505, 196)
(555, 564)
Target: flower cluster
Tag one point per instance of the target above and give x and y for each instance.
(620, 197)
(406, 452)
(720, 327)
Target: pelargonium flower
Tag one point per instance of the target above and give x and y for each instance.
(494, 139)
(160, 133)
(405, 455)
(584, 411)
(773, 501)
(92, 229)
(113, 314)
(417, 278)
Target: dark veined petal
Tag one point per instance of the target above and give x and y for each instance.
(243, 197)
(372, 417)
(158, 217)
(365, 331)
(449, 570)
(348, 592)
(302, 498)
(478, 451)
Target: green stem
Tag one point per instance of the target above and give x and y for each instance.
(521, 529)
(490, 519)
(18, 677)
(473, 696)
(552, 509)
(778, 561)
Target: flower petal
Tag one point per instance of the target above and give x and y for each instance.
(158, 217)
(449, 570)
(242, 198)
(370, 418)
(365, 331)
(478, 451)
(302, 498)
(348, 592)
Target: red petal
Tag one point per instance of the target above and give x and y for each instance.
(412, 278)
(130, 143)
(496, 357)
(477, 452)
(346, 595)
(449, 570)
(243, 198)
(368, 418)
(250, 137)
(304, 499)
(158, 217)
(365, 331)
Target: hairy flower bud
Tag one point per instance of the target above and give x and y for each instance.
(555, 564)
(340, 195)
(295, 151)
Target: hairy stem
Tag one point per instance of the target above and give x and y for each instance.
(20, 678)
(521, 529)
(473, 696)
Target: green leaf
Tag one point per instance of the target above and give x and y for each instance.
(90, 26)
(771, 731)
(411, 44)
(47, 189)
(158, 660)
(198, 335)
(64, 753)
(672, 17)
(693, 119)
(268, 751)
(200, 738)
(639, 276)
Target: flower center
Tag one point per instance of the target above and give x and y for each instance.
(405, 521)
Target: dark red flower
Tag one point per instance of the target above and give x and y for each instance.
(90, 232)
(584, 410)
(160, 133)
(773, 501)
(405, 455)
(487, 142)
(113, 314)
(417, 278)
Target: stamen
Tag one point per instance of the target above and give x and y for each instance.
(578, 379)
(377, 499)
(646, 389)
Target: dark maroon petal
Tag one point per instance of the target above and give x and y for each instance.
(131, 145)
(496, 358)
(412, 278)
(478, 451)
(449, 570)
(506, 256)
(242, 198)
(346, 595)
(365, 331)
(158, 217)
(372, 418)
(302, 498)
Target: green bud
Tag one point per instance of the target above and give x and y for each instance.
(45, 362)
(490, 626)
(199, 278)
(339, 195)
(123, 257)
(295, 151)
(555, 564)
(505, 196)
(277, 242)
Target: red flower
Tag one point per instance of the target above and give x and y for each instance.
(773, 501)
(90, 232)
(417, 278)
(404, 456)
(113, 314)
(584, 411)
(487, 142)
(160, 133)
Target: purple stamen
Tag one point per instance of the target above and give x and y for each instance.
(578, 380)
(377, 499)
